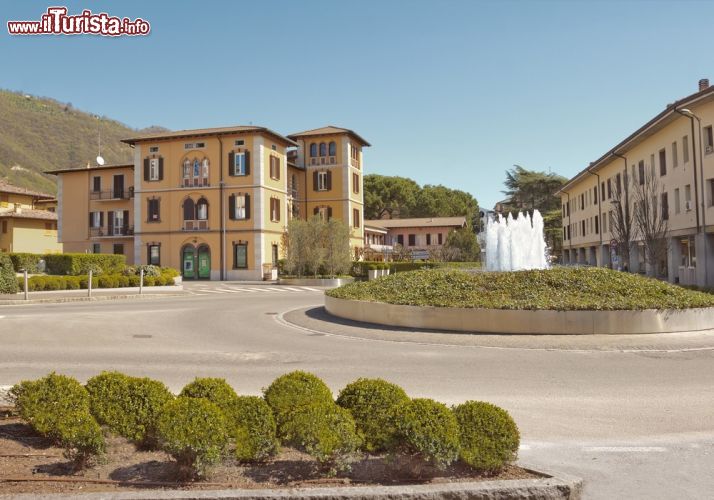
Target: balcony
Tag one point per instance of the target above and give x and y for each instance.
(323, 160)
(194, 182)
(112, 194)
(114, 232)
(195, 225)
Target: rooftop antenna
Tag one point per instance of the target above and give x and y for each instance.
(100, 160)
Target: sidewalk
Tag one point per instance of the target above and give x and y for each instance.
(61, 296)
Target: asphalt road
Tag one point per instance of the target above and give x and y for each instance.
(634, 424)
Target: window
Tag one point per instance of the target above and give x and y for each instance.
(675, 158)
(323, 149)
(332, 149)
(324, 212)
(273, 147)
(153, 210)
(710, 183)
(239, 164)
(196, 168)
(118, 222)
(677, 208)
(685, 149)
(313, 149)
(652, 164)
(609, 189)
(194, 145)
(154, 169)
(95, 220)
(641, 172)
(96, 248)
(204, 168)
(202, 209)
(189, 209)
(597, 227)
(321, 181)
(582, 223)
(412, 240)
(154, 255)
(665, 207)
(118, 249)
(186, 168)
(355, 183)
(239, 206)
(582, 202)
(274, 253)
(239, 142)
(400, 239)
(428, 239)
(595, 194)
(687, 197)
(708, 140)
(662, 162)
(355, 218)
(602, 192)
(619, 183)
(240, 256)
(96, 184)
(604, 224)
(274, 168)
(275, 209)
(154, 149)
(441, 238)
(687, 252)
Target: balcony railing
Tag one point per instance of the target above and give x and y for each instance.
(323, 160)
(194, 182)
(195, 225)
(105, 232)
(112, 194)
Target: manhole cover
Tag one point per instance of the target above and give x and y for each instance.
(142, 336)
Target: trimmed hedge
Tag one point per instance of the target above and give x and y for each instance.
(429, 430)
(193, 431)
(371, 403)
(360, 268)
(252, 425)
(216, 390)
(8, 282)
(75, 264)
(289, 392)
(23, 260)
(48, 283)
(561, 289)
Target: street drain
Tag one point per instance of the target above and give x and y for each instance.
(142, 336)
(272, 314)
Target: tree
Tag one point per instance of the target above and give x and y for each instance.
(440, 201)
(651, 215)
(462, 246)
(335, 240)
(316, 246)
(394, 197)
(622, 221)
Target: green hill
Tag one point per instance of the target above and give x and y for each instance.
(38, 134)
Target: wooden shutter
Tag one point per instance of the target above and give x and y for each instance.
(232, 207)
(277, 167)
(314, 180)
(126, 219)
(90, 218)
(110, 222)
(247, 206)
(161, 169)
(146, 169)
(247, 162)
(329, 213)
(316, 211)
(277, 207)
(328, 182)
(101, 219)
(231, 163)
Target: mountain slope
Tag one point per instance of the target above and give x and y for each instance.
(38, 134)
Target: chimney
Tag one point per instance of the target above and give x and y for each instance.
(703, 84)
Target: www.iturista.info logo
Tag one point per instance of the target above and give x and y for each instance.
(56, 22)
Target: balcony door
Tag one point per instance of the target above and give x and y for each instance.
(118, 186)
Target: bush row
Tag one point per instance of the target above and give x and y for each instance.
(46, 283)
(208, 419)
(8, 283)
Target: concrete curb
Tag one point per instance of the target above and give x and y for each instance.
(556, 487)
(537, 322)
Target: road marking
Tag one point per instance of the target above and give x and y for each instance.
(275, 289)
(208, 290)
(1, 317)
(625, 449)
(311, 289)
(227, 290)
(256, 289)
(293, 289)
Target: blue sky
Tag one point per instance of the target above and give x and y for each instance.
(450, 92)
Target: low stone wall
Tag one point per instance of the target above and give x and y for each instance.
(522, 321)
(334, 283)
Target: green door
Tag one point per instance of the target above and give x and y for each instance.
(188, 263)
(204, 263)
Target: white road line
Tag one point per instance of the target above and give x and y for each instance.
(227, 290)
(1, 317)
(293, 289)
(626, 449)
(256, 289)
(208, 290)
(276, 289)
(311, 289)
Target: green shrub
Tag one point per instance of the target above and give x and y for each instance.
(371, 403)
(325, 431)
(122, 281)
(216, 390)
(149, 281)
(289, 392)
(81, 263)
(84, 282)
(149, 270)
(193, 431)
(72, 282)
(251, 423)
(489, 436)
(129, 406)
(81, 437)
(8, 281)
(170, 272)
(28, 261)
(134, 280)
(429, 430)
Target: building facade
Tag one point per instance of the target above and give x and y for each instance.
(419, 235)
(213, 203)
(28, 221)
(676, 148)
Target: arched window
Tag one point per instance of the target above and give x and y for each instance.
(205, 167)
(189, 210)
(196, 168)
(186, 168)
(313, 149)
(333, 148)
(323, 149)
(202, 209)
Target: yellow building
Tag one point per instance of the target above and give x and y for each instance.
(28, 221)
(213, 203)
(677, 148)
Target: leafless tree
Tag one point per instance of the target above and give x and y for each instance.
(651, 209)
(623, 218)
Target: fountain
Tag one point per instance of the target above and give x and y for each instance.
(516, 244)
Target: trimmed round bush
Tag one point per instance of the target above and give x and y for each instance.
(289, 392)
(193, 431)
(252, 425)
(489, 436)
(429, 430)
(81, 437)
(216, 390)
(8, 280)
(129, 406)
(325, 431)
(371, 403)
